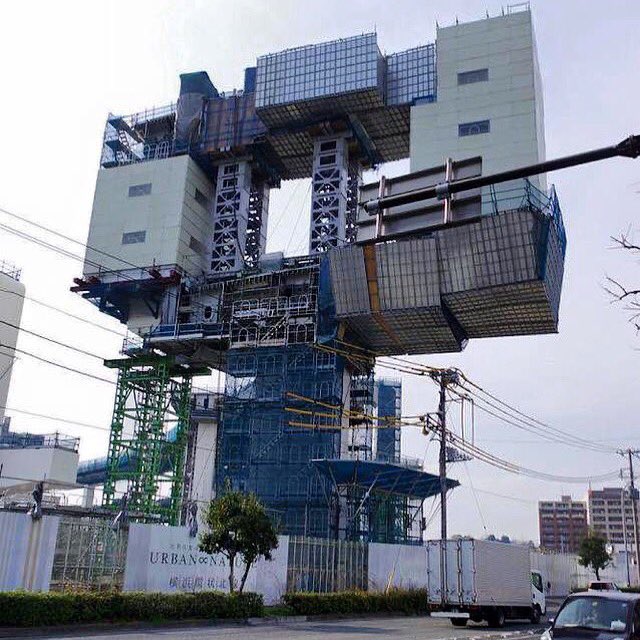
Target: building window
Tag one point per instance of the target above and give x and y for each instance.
(473, 128)
(136, 190)
(196, 245)
(134, 237)
(477, 75)
(201, 199)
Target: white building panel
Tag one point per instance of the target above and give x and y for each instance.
(27, 548)
(397, 566)
(502, 86)
(166, 560)
(150, 213)
(32, 464)
(11, 299)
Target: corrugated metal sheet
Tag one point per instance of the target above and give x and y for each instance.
(408, 274)
(479, 572)
(349, 281)
(499, 276)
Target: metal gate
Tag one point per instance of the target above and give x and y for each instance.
(89, 555)
(320, 565)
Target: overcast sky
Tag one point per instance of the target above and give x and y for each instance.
(65, 65)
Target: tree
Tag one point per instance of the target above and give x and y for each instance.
(593, 553)
(629, 296)
(238, 527)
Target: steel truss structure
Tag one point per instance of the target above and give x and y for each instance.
(334, 184)
(152, 393)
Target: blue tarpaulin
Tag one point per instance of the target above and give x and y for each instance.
(383, 477)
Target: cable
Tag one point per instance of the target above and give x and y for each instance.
(547, 436)
(475, 495)
(61, 344)
(60, 366)
(62, 311)
(56, 419)
(68, 254)
(295, 226)
(524, 422)
(532, 424)
(281, 217)
(68, 238)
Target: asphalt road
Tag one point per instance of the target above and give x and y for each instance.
(396, 628)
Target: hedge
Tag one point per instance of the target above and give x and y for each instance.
(26, 609)
(394, 601)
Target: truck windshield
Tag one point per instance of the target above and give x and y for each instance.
(536, 580)
(601, 614)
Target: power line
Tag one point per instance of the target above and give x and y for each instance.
(68, 238)
(295, 226)
(68, 254)
(530, 419)
(56, 419)
(61, 344)
(510, 419)
(62, 311)
(55, 364)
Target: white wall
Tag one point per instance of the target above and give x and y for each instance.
(27, 548)
(564, 572)
(33, 464)
(11, 301)
(169, 215)
(204, 464)
(395, 565)
(511, 99)
(165, 559)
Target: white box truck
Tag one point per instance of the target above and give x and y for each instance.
(481, 580)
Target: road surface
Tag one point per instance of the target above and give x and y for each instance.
(394, 628)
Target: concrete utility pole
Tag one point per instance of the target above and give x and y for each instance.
(444, 378)
(629, 454)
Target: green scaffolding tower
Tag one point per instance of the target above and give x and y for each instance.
(148, 440)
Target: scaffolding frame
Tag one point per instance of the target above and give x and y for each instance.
(151, 393)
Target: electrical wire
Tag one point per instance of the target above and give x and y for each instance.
(299, 217)
(520, 420)
(56, 364)
(61, 344)
(551, 437)
(68, 238)
(62, 311)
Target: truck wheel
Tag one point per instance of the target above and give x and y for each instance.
(536, 614)
(496, 618)
(459, 622)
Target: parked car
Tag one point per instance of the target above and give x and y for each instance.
(603, 585)
(605, 615)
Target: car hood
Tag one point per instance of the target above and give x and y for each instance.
(581, 634)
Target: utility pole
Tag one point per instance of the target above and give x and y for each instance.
(444, 378)
(437, 423)
(629, 454)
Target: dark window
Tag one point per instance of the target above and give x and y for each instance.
(196, 245)
(201, 199)
(133, 237)
(139, 190)
(474, 128)
(477, 75)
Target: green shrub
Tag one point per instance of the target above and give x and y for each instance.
(26, 609)
(394, 601)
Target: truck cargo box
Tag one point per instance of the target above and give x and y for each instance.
(480, 573)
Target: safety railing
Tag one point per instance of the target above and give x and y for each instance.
(39, 441)
(10, 270)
